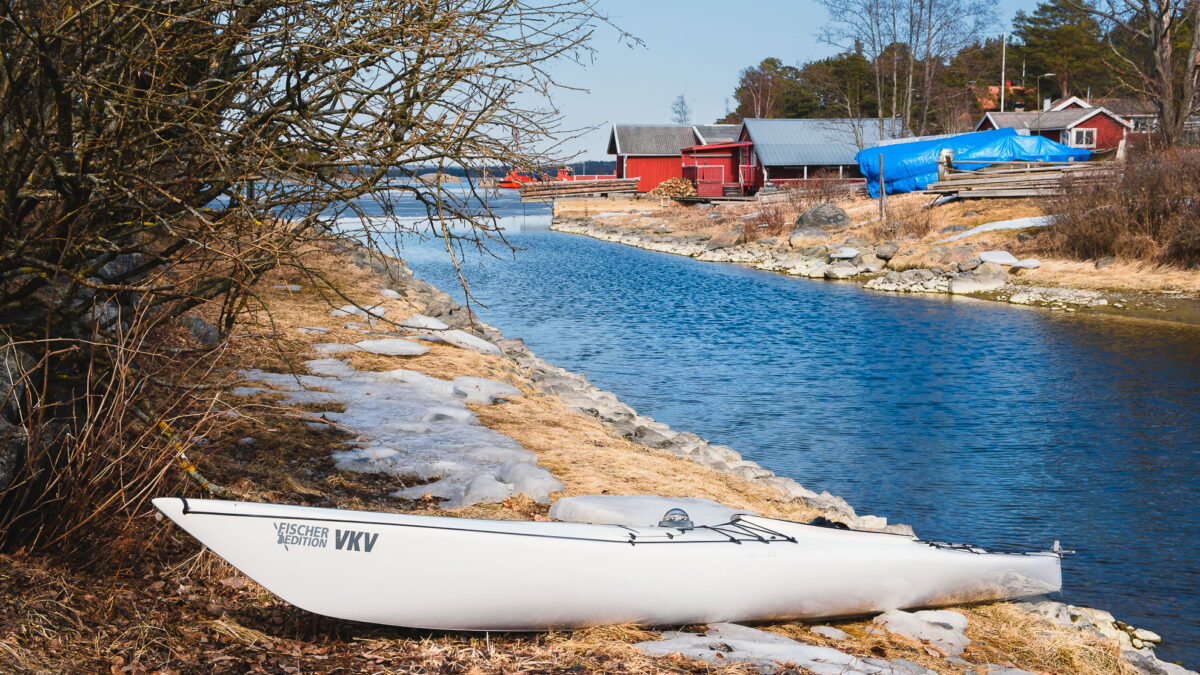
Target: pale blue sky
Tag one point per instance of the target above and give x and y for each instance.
(694, 48)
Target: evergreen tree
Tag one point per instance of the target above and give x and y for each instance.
(1063, 39)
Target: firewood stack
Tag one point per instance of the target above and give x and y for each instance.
(675, 187)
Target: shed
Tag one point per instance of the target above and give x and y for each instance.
(798, 149)
(1091, 128)
(650, 152)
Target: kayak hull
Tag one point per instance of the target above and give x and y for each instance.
(462, 574)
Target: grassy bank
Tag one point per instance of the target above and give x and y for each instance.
(152, 600)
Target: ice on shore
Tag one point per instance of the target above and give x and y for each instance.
(416, 428)
(1014, 224)
(392, 347)
(725, 643)
(639, 510)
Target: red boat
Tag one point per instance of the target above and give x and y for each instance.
(513, 179)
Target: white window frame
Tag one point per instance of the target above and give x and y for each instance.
(1075, 142)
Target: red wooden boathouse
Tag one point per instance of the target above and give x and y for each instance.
(653, 152)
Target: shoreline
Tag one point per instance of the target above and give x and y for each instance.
(817, 258)
(583, 398)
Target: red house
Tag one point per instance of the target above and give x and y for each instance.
(1078, 127)
(654, 152)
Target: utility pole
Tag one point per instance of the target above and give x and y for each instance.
(1003, 65)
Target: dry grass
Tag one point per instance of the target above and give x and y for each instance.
(160, 605)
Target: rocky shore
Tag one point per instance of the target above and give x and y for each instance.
(942, 631)
(824, 244)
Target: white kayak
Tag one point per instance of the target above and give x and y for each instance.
(464, 574)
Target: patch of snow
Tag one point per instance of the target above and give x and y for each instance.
(375, 311)
(1014, 224)
(334, 347)
(998, 257)
(416, 428)
(481, 390)
(422, 321)
(725, 643)
(1027, 264)
(942, 629)
(639, 510)
(465, 340)
(392, 347)
(390, 294)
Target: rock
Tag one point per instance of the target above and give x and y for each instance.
(1106, 261)
(887, 251)
(817, 252)
(1027, 235)
(959, 254)
(998, 257)
(986, 277)
(286, 287)
(826, 216)
(423, 322)
(392, 347)
(734, 236)
(840, 270)
(13, 441)
(844, 253)
(482, 390)
(805, 232)
(202, 331)
(969, 265)
(942, 629)
(869, 262)
(830, 632)
(954, 228)
(1145, 662)
(1027, 264)
(858, 242)
(1146, 635)
(817, 271)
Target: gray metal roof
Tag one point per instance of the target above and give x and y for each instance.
(718, 133)
(812, 142)
(1054, 119)
(654, 140)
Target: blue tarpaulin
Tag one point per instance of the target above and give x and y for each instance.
(908, 167)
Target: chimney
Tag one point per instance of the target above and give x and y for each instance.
(1046, 104)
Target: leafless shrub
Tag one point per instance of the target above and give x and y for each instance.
(772, 221)
(164, 155)
(1149, 211)
(904, 219)
(824, 186)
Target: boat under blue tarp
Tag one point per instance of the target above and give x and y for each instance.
(908, 167)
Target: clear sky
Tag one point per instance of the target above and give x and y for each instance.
(696, 48)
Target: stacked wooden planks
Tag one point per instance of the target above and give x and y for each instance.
(1017, 179)
(577, 188)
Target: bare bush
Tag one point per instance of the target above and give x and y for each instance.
(1148, 211)
(772, 221)
(824, 186)
(904, 219)
(163, 155)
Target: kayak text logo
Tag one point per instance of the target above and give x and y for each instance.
(299, 534)
(351, 540)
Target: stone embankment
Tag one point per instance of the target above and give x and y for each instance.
(942, 631)
(812, 250)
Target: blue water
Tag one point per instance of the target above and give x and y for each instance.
(972, 421)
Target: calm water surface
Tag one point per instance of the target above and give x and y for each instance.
(971, 421)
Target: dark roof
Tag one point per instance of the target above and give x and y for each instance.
(816, 142)
(1054, 119)
(1126, 106)
(652, 140)
(718, 133)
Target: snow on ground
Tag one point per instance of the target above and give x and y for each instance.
(1014, 224)
(726, 643)
(639, 510)
(418, 429)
